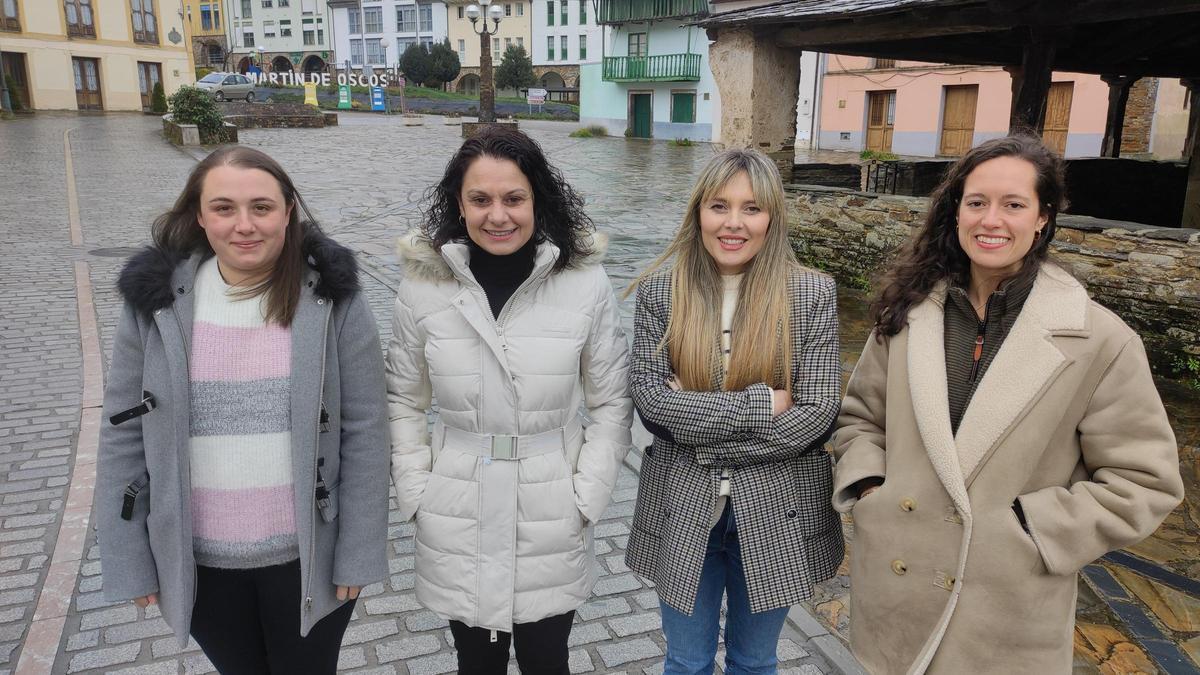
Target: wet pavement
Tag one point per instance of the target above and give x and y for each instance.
(364, 181)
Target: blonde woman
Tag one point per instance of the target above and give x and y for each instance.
(735, 369)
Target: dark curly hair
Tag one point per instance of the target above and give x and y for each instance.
(934, 254)
(558, 215)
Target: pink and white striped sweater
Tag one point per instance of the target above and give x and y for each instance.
(243, 513)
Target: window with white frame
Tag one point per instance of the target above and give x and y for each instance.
(373, 18)
(406, 19)
(355, 21)
(402, 45)
(549, 47)
(520, 9)
(374, 52)
(425, 12)
(356, 52)
(562, 48)
(248, 38)
(285, 28)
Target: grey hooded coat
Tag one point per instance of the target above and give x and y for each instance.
(337, 364)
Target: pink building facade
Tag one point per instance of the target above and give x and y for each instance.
(932, 110)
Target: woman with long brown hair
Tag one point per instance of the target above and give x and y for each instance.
(1000, 432)
(242, 479)
(736, 371)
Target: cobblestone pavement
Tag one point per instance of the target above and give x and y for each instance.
(363, 181)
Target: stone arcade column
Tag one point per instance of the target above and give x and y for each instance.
(759, 84)
(1191, 200)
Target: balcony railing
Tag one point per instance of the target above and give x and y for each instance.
(623, 11)
(661, 68)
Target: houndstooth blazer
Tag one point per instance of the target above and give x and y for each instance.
(781, 481)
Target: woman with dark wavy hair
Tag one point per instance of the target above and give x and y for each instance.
(507, 318)
(1000, 431)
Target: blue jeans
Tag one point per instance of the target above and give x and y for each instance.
(750, 639)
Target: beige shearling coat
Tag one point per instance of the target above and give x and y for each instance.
(1066, 419)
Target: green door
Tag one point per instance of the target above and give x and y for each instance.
(643, 118)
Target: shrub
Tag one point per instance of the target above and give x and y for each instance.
(201, 72)
(867, 155)
(581, 133)
(190, 105)
(681, 142)
(14, 94)
(515, 70)
(443, 64)
(416, 63)
(158, 99)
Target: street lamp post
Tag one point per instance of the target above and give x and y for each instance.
(487, 86)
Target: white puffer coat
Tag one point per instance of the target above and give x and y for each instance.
(498, 541)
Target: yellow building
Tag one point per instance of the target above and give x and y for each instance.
(206, 26)
(93, 54)
(516, 28)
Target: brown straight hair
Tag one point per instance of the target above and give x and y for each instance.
(178, 231)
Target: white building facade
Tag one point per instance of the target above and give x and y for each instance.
(279, 35)
(384, 29)
(566, 35)
(653, 79)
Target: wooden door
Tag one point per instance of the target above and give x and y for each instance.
(643, 116)
(149, 74)
(14, 71)
(881, 120)
(87, 83)
(1058, 116)
(958, 119)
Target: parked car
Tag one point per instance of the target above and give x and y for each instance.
(227, 86)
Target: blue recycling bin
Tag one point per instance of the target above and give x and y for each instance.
(377, 102)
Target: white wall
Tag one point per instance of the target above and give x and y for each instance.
(389, 35)
(607, 103)
(572, 30)
(807, 103)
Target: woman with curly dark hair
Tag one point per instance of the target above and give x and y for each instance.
(1000, 432)
(507, 318)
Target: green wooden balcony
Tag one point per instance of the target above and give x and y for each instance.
(624, 11)
(661, 68)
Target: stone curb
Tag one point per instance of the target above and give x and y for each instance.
(798, 619)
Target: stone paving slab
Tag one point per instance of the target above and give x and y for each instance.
(364, 181)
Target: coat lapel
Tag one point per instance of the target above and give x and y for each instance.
(930, 396)
(1026, 364)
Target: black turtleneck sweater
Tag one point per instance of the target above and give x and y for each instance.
(501, 275)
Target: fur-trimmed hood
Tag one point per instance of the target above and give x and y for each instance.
(422, 262)
(147, 278)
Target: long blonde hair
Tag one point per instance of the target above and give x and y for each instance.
(761, 324)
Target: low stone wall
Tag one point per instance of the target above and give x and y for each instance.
(274, 116)
(189, 134)
(469, 129)
(1149, 276)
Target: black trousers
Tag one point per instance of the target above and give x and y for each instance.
(248, 622)
(541, 647)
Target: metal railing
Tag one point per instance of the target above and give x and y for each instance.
(880, 176)
(621, 11)
(660, 68)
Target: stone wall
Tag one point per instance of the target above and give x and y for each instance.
(1149, 276)
(1139, 116)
